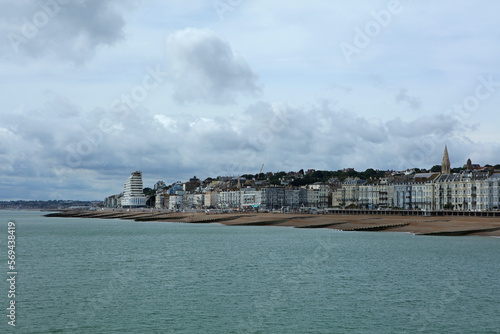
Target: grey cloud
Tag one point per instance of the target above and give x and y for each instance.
(425, 125)
(68, 30)
(413, 102)
(175, 147)
(204, 68)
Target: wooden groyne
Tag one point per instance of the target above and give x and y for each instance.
(376, 228)
(462, 233)
(327, 225)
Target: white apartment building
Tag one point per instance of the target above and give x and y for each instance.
(211, 199)
(423, 196)
(175, 202)
(369, 195)
(159, 201)
(465, 191)
(133, 195)
(229, 199)
(250, 198)
(348, 194)
(198, 200)
(317, 195)
(492, 192)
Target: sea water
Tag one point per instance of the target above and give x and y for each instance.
(115, 276)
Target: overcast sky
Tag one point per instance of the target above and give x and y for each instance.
(94, 90)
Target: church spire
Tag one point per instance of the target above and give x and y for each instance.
(445, 164)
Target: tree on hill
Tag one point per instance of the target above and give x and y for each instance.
(276, 176)
(352, 173)
(457, 169)
(370, 172)
(436, 169)
(275, 182)
(148, 191)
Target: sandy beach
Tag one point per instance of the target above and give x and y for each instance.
(419, 225)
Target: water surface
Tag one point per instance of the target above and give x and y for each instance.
(113, 276)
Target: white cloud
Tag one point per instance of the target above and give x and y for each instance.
(204, 68)
(166, 122)
(176, 146)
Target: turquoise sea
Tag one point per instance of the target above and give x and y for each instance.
(113, 276)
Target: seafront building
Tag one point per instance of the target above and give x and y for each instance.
(348, 194)
(133, 195)
(470, 189)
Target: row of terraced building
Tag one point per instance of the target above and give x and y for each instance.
(470, 190)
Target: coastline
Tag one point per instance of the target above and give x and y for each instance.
(418, 225)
